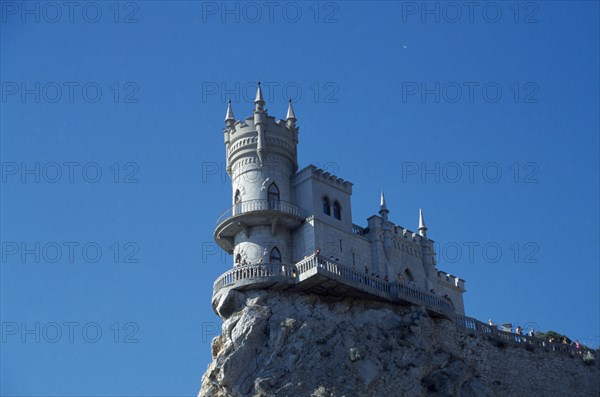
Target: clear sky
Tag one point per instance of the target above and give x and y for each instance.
(113, 164)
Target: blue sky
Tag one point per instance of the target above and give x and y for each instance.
(113, 164)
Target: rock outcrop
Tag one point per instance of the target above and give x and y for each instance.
(282, 344)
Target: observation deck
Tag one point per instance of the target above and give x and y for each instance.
(241, 216)
(318, 275)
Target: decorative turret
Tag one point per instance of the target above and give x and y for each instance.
(383, 210)
(422, 228)
(229, 122)
(290, 118)
(260, 119)
(259, 101)
(229, 118)
(261, 159)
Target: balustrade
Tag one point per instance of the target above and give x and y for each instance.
(248, 272)
(473, 325)
(261, 205)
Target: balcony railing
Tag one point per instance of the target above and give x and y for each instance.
(261, 205)
(259, 271)
(436, 302)
(390, 290)
(359, 231)
(343, 272)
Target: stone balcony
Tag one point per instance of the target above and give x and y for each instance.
(241, 216)
(318, 275)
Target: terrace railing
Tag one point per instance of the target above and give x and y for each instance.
(343, 272)
(472, 325)
(258, 272)
(261, 205)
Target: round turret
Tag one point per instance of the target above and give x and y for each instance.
(261, 158)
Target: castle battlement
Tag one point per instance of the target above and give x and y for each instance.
(311, 171)
(451, 280)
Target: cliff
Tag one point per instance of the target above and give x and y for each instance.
(282, 344)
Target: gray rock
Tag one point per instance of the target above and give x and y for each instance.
(277, 344)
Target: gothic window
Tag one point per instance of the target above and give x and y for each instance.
(337, 210)
(238, 259)
(237, 202)
(326, 206)
(273, 193)
(275, 255)
(409, 276)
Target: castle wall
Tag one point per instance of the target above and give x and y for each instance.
(311, 185)
(303, 240)
(342, 246)
(249, 177)
(443, 285)
(256, 247)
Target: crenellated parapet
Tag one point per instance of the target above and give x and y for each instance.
(451, 281)
(328, 177)
(261, 137)
(278, 143)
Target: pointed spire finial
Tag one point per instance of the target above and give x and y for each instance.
(422, 228)
(383, 210)
(259, 96)
(290, 113)
(229, 117)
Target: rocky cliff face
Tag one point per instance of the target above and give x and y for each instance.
(282, 344)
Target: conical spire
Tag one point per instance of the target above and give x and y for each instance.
(259, 100)
(422, 228)
(383, 210)
(229, 116)
(290, 113)
(382, 202)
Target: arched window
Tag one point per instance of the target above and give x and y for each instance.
(238, 259)
(409, 276)
(237, 197)
(337, 210)
(275, 255)
(326, 206)
(273, 193)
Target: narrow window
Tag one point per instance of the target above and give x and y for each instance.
(275, 255)
(237, 199)
(326, 206)
(238, 259)
(273, 194)
(409, 276)
(337, 210)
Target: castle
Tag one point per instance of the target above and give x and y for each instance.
(290, 228)
(316, 305)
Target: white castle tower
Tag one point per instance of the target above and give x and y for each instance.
(261, 159)
(291, 229)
